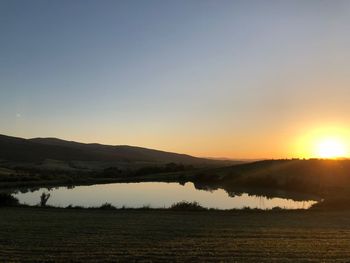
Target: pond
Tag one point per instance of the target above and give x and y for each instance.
(156, 195)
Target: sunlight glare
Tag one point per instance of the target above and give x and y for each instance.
(331, 148)
(324, 141)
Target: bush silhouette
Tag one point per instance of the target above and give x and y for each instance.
(107, 206)
(8, 200)
(184, 205)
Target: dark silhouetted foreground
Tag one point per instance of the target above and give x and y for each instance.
(43, 234)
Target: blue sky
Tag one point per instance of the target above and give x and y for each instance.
(209, 78)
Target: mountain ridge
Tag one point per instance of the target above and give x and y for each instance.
(39, 149)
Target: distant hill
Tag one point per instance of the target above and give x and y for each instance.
(39, 149)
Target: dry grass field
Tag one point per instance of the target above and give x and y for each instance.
(62, 235)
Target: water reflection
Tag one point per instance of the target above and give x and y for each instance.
(160, 195)
(269, 193)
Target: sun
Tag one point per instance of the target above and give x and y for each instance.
(326, 141)
(330, 148)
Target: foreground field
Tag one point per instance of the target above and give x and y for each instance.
(36, 234)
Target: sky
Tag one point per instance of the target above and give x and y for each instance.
(236, 79)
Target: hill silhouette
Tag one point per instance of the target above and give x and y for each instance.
(317, 176)
(39, 149)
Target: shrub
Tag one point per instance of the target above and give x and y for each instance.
(145, 207)
(107, 206)
(185, 205)
(8, 200)
(276, 208)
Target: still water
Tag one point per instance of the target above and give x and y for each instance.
(155, 195)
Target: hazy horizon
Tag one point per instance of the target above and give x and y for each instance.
(233, 79)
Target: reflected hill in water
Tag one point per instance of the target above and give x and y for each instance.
(233, 191)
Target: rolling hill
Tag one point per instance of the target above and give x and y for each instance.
(40, 149)
(315, 176)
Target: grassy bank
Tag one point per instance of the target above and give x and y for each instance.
(92, 235)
